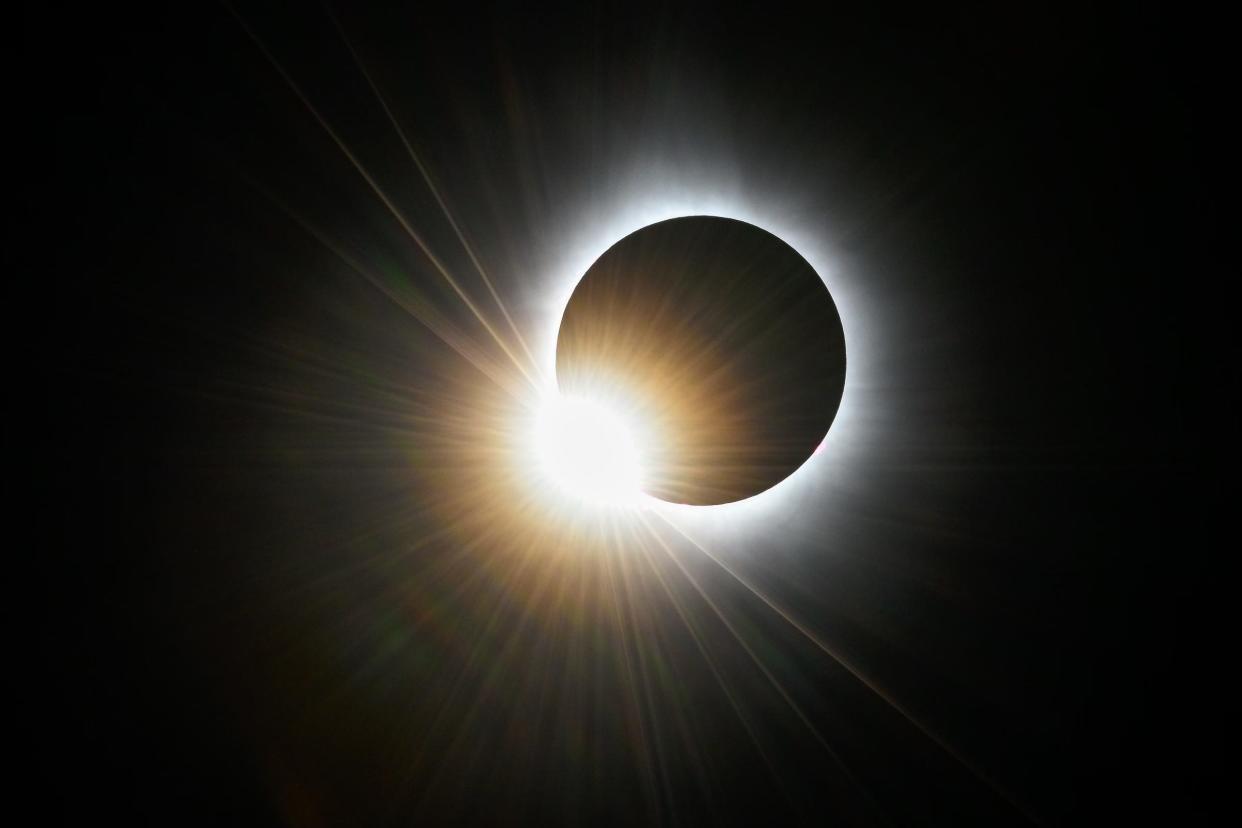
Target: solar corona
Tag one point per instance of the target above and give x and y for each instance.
(612, 415)
(722, 339)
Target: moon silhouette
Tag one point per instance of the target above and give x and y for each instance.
(723, 338)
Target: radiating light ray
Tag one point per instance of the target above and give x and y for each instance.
(776, 684)
(546, 580)
(424, 312)
(852, 670)
(701, 646)
(523, 573)
(383, 196)
(435, 192)
(636, 710)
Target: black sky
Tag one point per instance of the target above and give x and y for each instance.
(1027, 551)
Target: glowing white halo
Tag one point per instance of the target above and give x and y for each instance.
(803, 490)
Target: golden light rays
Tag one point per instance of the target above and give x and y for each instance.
(669, 393)
(524, 369)
(435, 192)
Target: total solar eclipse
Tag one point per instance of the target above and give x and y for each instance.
(442, 414)
(721, 340)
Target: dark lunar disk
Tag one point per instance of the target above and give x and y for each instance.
(723, 338)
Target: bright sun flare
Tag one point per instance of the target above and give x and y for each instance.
(588, 451)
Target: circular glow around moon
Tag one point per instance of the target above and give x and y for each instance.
(724, 337)
(589, 452)
(651, 198)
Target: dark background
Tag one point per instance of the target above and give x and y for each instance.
(1027, 554)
